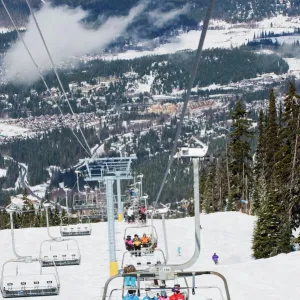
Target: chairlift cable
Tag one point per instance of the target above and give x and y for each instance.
(38, 69)
(56, 73)
(186, 97)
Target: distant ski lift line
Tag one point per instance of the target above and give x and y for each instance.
(186, 96)
(44, 81)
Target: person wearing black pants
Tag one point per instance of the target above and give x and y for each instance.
(137, 245)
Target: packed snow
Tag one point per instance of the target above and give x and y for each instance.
(3, 172)
(11, 130)
(40, 189)
(227, 234)
(4, 30)
(294, 64)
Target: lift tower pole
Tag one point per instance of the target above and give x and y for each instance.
(113, 264)
(120, 207)
(108, 170)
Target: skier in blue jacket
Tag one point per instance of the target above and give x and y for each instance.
(150, 296)
(131, 296)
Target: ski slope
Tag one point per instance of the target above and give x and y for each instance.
(227, 234)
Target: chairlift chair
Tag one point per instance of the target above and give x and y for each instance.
(168, 279)
(28, 285)
(79, 229)
(135, 203)
(85, 200)
(58, 251)
(163, 209)
(150, 231)
(143, 292)
(144, 262)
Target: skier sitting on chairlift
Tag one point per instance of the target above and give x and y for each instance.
(137, 243)
(145, 240)
(150, 296)
(128, 243)
(215, 258)
(131, 296)
(177, 295)
(130, 280)
(163, 296)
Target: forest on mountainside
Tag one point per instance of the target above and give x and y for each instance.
(50, 148)
(219, 66)
(265, 184)
(163, 74)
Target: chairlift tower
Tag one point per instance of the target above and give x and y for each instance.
(108, 170)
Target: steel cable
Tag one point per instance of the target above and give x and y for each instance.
(55, 71)
(186, 97)
(38, 69)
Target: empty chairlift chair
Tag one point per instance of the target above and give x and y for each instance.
(19, 284)
(144, 262)
(82, 228)
(58, 251)
(85, 201)
(18, 278)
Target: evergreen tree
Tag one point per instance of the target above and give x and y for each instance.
(287, 165)
(271, 137)
(209, 191)
(279, 213)
(268, 225)
(240, 156)
(56, 217)
(259, 166)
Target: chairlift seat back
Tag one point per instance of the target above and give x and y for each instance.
(29, 285)
(76, 230)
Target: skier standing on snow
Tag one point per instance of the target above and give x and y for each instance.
(215, 258)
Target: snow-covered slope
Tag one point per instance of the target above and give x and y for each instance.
(3, 172)
(227, 234)
(222, 35)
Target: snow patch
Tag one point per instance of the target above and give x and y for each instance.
(3, 172)
(11, 131)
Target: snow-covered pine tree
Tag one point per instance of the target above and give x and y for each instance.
(267, 230)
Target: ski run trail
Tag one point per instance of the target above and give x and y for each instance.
(228, 234)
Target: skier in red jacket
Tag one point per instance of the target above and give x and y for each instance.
(177, 295)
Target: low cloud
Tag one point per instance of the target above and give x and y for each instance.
(66, 37)
(160, 18)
